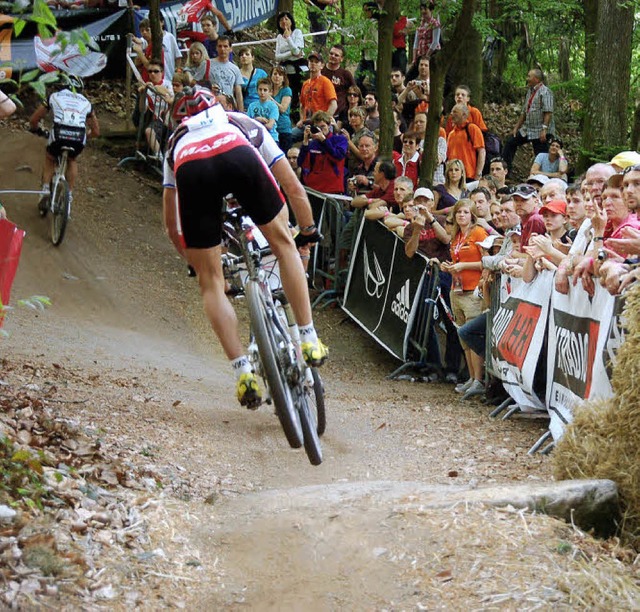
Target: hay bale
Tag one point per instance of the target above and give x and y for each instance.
(604, 439)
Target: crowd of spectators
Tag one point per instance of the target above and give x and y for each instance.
(472, 222)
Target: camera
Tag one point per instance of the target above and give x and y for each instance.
(602, 255)
(314, 129)
(419, 83)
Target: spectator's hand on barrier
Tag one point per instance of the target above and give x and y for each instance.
(583, 269)
(629, 243)
(629, 279)
(534, 251)
(611, 273)
(562, 276)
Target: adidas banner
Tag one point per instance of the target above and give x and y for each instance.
(382, 286)
(517, 338)
(583, 338)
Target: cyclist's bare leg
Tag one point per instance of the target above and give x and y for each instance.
(49, 168)
(217, 307)
(294, 280)
(72, 172)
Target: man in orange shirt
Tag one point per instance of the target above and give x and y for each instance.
(318, 93)
(466, 143)
(462, 96)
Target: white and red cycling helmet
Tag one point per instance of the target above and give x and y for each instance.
(192, 103)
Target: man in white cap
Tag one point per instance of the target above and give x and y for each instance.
(426, 231)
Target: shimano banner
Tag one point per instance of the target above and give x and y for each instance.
(582, 340)
(382, 285)
(517, 338)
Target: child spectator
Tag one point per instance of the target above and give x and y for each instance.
(265, 110)
(198, 65)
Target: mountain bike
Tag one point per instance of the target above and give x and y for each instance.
(58, 202)
(294, 388)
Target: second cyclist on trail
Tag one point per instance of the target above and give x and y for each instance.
(73, 121)
(212, 154)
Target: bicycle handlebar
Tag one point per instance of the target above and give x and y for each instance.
(39, 131)
(304, 239)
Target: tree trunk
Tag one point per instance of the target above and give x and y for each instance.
(590, 33)
(440, 64)
(634, 141)
(605, 124)
(564, 60)
(388, 17)
(156, 29)
(468, 66)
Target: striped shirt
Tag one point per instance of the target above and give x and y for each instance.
(537, 102)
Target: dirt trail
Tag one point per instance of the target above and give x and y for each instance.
(124, 308)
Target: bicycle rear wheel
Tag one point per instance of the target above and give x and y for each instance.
(60, 207)
(267, 339)
(317, 399)
(309, 422)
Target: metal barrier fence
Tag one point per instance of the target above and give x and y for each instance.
(153, 126)
(328, 268)
(423, 329)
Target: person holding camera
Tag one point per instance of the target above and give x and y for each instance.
(322, 155)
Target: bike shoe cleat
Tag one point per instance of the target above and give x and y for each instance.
(248, 391)
(315, 354)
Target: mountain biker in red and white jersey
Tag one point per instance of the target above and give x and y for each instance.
(211, 154)
(73, 120)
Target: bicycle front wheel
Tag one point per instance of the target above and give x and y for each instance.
(60, 208)
(309, 422)
(269, 342)
(317, 401)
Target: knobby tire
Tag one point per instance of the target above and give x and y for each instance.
(265, 337)
(60, 206)
(309, 423)
(318, 397)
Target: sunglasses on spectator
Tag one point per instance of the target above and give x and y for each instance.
(154, 71)
(628, 169)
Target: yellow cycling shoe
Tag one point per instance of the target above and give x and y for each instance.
(248, 391)
(315, 354)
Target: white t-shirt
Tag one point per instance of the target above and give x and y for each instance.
(171, 54)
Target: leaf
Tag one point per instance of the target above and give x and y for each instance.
(18, 26)
(30, 76)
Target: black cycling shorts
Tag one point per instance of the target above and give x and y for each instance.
(65, 136)
(203, 183)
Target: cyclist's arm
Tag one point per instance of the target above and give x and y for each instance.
(93, 125)
(170, 218)
(294, 191)
(38, 114)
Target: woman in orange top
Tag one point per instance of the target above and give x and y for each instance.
(466, 269)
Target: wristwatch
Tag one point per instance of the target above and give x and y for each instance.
(545, 127)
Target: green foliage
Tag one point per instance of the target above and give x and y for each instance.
(21, 480)
(45, 21)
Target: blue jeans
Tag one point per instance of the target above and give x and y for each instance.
(474, 334)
